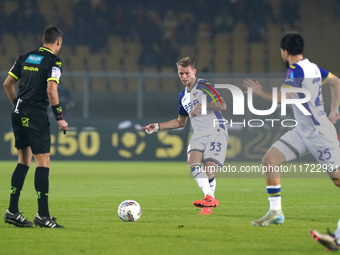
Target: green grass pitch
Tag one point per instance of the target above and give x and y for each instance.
(84, 196)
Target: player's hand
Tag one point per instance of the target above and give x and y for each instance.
(256, 86)
(334, 116)
(63, 125)
(196, 111)
(151, 128)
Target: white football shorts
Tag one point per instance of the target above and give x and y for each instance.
(213, 147)
(324, 149)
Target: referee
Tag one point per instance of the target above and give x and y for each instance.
(39, 72)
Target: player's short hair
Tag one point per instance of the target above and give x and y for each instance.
(52, 34)
(185, 62)
(293, 43)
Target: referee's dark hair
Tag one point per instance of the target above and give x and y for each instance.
(52, 34)
(293, 43)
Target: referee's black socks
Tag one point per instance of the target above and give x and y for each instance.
(17, 182)
(41, 184)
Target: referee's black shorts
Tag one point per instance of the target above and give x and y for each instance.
(31, 127)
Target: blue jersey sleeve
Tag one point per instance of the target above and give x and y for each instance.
(294, 77)
(181, 111)
(324, 75)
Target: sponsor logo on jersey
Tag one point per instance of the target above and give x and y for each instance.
(56, 73)
(188, 107)
(34, 59)
(30, 68)
(58, 63)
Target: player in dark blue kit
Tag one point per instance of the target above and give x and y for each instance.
(39, 72)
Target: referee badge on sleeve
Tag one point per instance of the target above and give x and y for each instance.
(56, 73)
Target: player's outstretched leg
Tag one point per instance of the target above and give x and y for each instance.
(202, 180)
(17, 219)
(46, 222)
(327, 240)
(208, 201)
(271, 217)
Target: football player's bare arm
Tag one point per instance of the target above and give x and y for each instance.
(257, 90)
(172, 124)
(210, 106)
(217, 107)
(334, 83)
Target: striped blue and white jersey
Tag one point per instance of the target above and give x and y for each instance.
(307, 75)
(202, 125)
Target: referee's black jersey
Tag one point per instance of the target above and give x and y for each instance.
(34, 70)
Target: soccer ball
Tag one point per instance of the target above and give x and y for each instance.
(129, 210)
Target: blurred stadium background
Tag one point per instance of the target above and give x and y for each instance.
(119, 56)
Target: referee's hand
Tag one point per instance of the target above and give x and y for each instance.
(63, 125)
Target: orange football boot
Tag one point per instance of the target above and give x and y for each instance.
(206, 210)
(207, 201)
